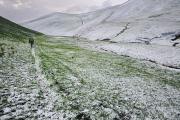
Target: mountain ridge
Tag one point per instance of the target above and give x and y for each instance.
(108, 22)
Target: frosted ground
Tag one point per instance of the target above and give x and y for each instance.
(23, 92)
(66, 78)
(98, 85)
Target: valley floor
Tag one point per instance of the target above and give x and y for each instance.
(64, 78)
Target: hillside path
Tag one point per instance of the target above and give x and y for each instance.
(51, 97)
(24, 91)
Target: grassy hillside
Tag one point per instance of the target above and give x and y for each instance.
(95, 85)
(10, 29)
(17, 74)
(13, 35)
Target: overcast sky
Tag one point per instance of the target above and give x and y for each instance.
(24, 10)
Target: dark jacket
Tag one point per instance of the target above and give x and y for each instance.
(31, 41)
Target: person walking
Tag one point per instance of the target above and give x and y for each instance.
(31, 42)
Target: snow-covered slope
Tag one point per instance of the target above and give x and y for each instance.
(134, 21)
(145, 22)
(55, 24)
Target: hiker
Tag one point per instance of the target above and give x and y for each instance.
(31, 41)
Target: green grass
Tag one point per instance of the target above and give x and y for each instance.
(13, 39)
(70, 57)
(83, 76)
(14, 46)
(15, 32)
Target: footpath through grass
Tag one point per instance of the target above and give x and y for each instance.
(96, 85)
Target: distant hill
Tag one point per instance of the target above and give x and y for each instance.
(56, 24)
(155, 21)
(11, 29)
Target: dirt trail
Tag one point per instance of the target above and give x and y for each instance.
(25, 94)
(50, 96)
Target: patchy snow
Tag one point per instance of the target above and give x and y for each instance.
(51, 97)
(96, 83)
(23, 95)
(164, 55)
